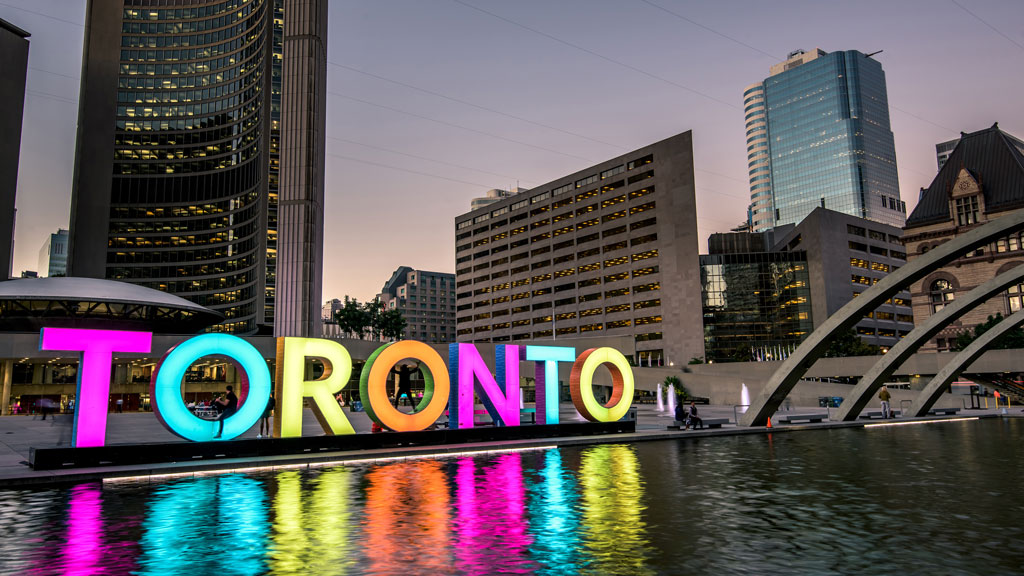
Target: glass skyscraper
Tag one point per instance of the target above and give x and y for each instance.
(178, 167)
(818, 135)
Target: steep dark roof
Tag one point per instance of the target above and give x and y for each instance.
(990, 156)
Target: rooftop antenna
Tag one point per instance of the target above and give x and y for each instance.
(872, 54)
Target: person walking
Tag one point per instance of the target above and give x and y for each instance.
(265, 417)
(230, 403)
(884, 396)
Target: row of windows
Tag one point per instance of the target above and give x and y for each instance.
(625, 323)
(583, 298)
(183, 13)
(567, 187)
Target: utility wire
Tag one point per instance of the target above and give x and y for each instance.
(79, 24)
(474, 105)
(459, 126)
(712, 30)
(598, 55)
(993, 28)
(417, 172)
(421, 157)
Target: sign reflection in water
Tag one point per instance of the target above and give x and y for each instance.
(613, 510)
(312, 520)
(218, 523)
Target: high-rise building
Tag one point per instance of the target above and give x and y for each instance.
(426, 301)
(818, 136)
(53, 256)
(330, 308)
(944, 149)
(982, 180)
(608, 250)
(13, 69)
(180, 160)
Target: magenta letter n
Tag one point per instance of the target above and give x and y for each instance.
(97, 349)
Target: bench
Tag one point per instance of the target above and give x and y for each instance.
(943, 411)
(708, 423)
(869, 414)
(790, 418)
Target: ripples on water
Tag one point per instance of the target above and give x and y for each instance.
(940, 498)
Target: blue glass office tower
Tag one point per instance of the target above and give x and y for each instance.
(818, 135)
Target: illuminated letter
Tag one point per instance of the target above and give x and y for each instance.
(373, 382)
(582, 389)
(292, 385)
(165, 387)
(546, 378)
(92, 394)
(500, 397)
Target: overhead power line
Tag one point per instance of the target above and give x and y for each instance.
(993, 28)
(598, 55)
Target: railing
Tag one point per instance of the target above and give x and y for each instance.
(735, 415)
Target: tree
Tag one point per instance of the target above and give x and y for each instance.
(352, 318)
(696, 360)
(1012, 339)
(849, 344)
(391, 325)
(373, 311)
(677, 385)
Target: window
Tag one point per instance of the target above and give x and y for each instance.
(1016, 296)
(967, 211)
(941, 294)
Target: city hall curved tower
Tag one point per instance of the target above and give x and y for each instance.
(178, 164)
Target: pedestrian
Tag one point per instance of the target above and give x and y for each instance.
(884, 396)
(120, 404)
(404, 374)
(230, 404)
(692, 419)
(265, 418)
(680, 414)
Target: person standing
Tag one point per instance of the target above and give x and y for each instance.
(884, 396)
(265, 417)
(230, 403)
(404, 384)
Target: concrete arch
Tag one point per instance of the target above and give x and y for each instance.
(873, 379)
(937, 385)
(814, 347)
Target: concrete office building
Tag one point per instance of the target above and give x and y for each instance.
(426, 301)
(608, 250)
(492, 196)
(844, 255)
(13, 70)
(982, 179)
(818, 136)
(53, 256)
(944, 149)
(195, 117)
(329, 309)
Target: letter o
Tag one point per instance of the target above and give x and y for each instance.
(582, 390)
(373, 386)
(165, 387)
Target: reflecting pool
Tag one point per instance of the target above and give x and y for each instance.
(939, 498)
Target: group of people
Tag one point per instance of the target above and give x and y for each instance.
(688, 416)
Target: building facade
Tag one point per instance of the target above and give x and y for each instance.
(818, 135)
(756, 305)
(492, 196)
(845, 256)
(608, 250)
(426, 301)
(982, 179)
(13, 70)
(53, 256)
(178, 161)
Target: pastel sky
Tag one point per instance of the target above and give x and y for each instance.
(433, 102)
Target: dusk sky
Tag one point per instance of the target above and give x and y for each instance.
(433, 102)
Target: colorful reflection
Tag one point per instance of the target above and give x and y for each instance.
(217, 525)
(491, 529)
(613, 507)
(311, 524)
(82, 553)
(406, 519)
(554, 518)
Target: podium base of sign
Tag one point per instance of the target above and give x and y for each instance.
(278, 449)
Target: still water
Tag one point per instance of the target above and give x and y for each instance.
(936, 498)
